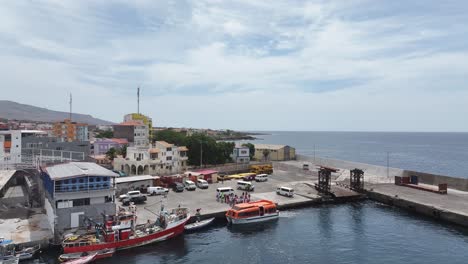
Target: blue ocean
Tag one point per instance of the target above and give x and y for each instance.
(438, 153)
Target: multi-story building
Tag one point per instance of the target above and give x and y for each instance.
(76, 191)
(71, 131)
(147, 121)
(240, 154)
(12, 144)
(134, 131)
(102, 145)
(161, 158)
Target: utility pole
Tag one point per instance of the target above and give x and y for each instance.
(314, 154)
(138, 100)
(388, 163)
(70, 117)
(201, 154)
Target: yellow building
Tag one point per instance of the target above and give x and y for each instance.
(141, 117)
(70, 131)
(267, 152)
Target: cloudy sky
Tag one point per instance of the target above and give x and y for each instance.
(249, 65)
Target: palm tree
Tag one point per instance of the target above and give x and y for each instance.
(111, 154)
(266, 154)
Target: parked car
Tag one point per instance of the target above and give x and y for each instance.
(190, 185)
(120, 173)
(137, 199)
(202, 184)
(245, 186)
(249, 177)
(130, 194)
(157, 190)
(223, 177)
(261, 178)
(285, 191)
(177, 187)
(225, 190)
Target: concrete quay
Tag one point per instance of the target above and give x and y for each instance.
(302, 182)
(451, 207)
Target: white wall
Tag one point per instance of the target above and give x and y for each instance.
(50, 215)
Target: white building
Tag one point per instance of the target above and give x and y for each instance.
(161, 158)
(11, 146)
(240, 154)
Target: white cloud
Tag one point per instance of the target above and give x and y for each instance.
(332, 62)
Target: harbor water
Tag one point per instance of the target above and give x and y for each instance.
(365, 232)
(437, 153)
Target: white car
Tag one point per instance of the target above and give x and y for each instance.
(190, 185)
(285, 191)
(157, 190)
(202, 184)
(130, 194)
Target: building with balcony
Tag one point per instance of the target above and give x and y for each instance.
(75, 191)
(161, 158)
(69, 131)
(135, 132)
(147, 121)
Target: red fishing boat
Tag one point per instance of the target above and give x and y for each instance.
(121, 232)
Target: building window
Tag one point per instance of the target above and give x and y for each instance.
(169, 158)
(168, 149)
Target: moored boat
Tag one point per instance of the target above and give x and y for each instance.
(27, 253)
(83, 260)
(252, 212)
(199, 224)
(121, 231)
(105, 253)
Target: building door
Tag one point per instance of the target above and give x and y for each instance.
(75, 219)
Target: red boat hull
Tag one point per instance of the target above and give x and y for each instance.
(134, 242)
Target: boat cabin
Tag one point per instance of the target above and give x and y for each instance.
(252, 209)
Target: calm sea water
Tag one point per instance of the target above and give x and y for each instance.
(350, 233)
(439, 153)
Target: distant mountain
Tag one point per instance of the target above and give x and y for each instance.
(13, 110)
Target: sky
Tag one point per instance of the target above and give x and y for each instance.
(245, 65)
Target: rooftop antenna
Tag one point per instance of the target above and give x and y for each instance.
(138, 100)
(71, 102)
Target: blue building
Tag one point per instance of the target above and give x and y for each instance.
(75, 191)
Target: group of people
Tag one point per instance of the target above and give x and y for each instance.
(233, 199)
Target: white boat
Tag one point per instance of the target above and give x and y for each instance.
(27, 253)
(105, 253)
(83, 260)
(199, 224)
(252, 212)
(10, 260)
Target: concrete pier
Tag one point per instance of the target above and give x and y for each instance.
(302, 182)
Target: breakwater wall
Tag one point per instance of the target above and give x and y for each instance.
(420, 208)
(381, 171)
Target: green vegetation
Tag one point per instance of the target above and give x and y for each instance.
(213, 152)
(104, 134)
(266, 154)
(112, 153)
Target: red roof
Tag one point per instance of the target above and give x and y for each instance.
(132, 123)
(207, 172)
(122, 141)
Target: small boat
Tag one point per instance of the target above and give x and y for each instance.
(199, 224)
(105, 253)
(9, 260)
(27, 253)
(252, 212)
(82, 260)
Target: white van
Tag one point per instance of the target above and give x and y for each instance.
(246, 186)
(225, 190)
(202, 184)
(189, 185)
(157, 190)
(285, 191)
(261, 178)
